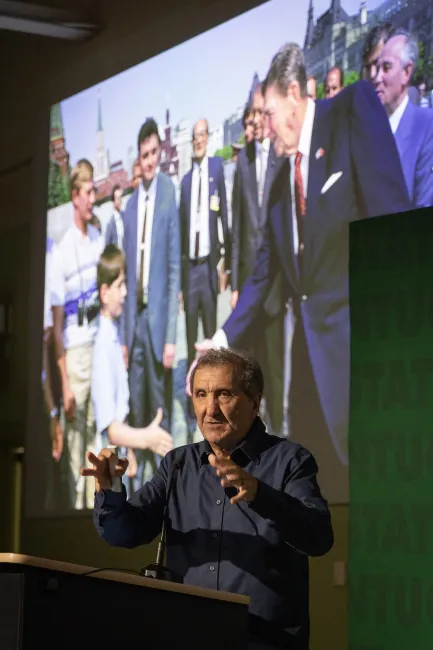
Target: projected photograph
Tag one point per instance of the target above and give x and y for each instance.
(206, 194)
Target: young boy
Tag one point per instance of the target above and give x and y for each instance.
(110, 392)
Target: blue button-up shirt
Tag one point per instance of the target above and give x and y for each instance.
(259, 549)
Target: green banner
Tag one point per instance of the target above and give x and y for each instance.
(391, 433)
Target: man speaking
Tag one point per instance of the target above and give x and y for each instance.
(245, 510)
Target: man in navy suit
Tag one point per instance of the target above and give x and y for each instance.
(340, 164)
(412, 126)
(149, 318)
(253, 180)
(115, 229)
(202, 202)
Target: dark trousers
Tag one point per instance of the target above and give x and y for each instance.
(307, 421)
(201, 302)
(269, 356)
(147, 387)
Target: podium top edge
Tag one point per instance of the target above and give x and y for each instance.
(119, 576)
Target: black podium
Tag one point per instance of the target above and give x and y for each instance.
(55, 606)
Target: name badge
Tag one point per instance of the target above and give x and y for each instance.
(215, 202)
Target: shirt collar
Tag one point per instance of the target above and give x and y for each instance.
(202, 165)
(307, 129)
(151, 192)
(394, 119)
(254, 443)
(262, 146)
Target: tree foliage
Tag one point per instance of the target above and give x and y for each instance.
(58, 190)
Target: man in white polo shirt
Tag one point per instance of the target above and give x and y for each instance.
(75, 308)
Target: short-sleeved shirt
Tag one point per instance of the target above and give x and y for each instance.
(73, 283)
(110, 391)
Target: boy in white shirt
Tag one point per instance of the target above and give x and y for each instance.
(110, 391)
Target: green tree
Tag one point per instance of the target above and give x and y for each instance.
(225, 153)
(242, 139)
(424, 67)
(58, 190)
(351, 77)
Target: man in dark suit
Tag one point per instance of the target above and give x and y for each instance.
(412, 126)
(254, 175)
(340, 164)
(115, 229)
(149, 318)
(202, 202)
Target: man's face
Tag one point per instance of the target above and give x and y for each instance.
(113, 296)
(224, 413)
(369, 70)
(149, 157)
(200, 138)
(392, 78)
(312, 89)
(421, 89)
(136, 179)
(83, 201)
(332, 86)
(285, 118)
(118, 199)
(249, 129)
(257, 111)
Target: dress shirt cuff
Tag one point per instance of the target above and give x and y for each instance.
(107, 500)
(219, 339)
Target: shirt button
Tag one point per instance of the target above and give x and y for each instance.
(211, 568)
(301, 247)
(304, 298)
(218, 502)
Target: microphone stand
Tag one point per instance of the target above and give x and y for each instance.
(157, 570)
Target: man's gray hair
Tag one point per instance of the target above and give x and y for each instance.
(287, 65)
(247, 370)
(410, 51)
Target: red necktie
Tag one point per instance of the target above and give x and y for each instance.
(299, 202)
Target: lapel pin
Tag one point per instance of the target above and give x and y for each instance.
(320, 153)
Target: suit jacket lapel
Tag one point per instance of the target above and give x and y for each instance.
(252, 172)
(318, 171)
(157, 226)
(280, 213)
(212, 188)
(188, 195)
(133, 233)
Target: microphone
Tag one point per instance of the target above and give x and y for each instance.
(157, 570)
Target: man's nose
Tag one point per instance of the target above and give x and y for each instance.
(212, 405)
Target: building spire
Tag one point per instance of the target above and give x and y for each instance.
(310, 27)
(336, 10)
(56, 122)
(99, 112)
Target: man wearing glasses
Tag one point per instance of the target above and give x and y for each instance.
(202, 202)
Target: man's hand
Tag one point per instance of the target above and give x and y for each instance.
(125, 355)
(132, 463)
(56, 434)
(159, 441)
(168, 355)
(101, 468)
(180, 299)
(69, 402)
(232, 475)
(234, 299)
(201, 349)
(224, 281)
